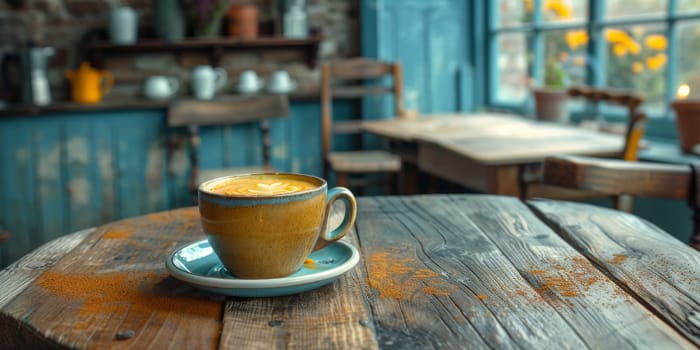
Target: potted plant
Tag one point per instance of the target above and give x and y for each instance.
(687, 108)
(207, 16)
(551, 99)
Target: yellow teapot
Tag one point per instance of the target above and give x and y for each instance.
(88, 84)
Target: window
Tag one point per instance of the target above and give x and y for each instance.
(650, 46)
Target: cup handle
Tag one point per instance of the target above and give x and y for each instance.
(335, 193)
(221, 77)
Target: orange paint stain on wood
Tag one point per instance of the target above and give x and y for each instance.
(394, 276)
(482, 296)
(618, 259)
(571, 280)
(136, 292)
(119, 234)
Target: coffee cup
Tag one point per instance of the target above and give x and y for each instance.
(280, 82)
(207, 80)
(160, 87)
(249, 82)
(266, 225)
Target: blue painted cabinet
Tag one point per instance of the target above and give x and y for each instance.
(64, 172)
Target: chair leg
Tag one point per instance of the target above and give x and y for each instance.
(408, 179)
(695, 235)
(624, 203)
(392, 183)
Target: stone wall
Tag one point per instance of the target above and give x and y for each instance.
(64, 24)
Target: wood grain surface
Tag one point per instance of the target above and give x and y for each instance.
(495, 139)
(648, 262)
(436, 272)
(484, 272)
(114, 283)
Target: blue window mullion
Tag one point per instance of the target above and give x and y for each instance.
(494, 74)
(537, 43)
(596, 43)
(671, 54)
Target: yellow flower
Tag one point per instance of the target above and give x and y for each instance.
(637, 67)
(657, 61)
(633, 47)
(616, 36)
(619, 50)
(656, 42)
(560, 8)
(576, 38)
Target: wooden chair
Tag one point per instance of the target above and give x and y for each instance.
(231, 111)
(624, 98)
(352, 167)
(639, 179)
(635, 128)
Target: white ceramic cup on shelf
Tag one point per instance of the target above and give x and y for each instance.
(159, 87)
(207, 80)
(280, 82)
(249, 82)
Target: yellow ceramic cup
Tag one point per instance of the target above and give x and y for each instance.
(266, 225)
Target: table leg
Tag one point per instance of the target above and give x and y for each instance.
(408, 178)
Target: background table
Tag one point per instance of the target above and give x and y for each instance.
(436, 272)
(486, 151)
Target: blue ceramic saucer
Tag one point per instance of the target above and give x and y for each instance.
(196, 264)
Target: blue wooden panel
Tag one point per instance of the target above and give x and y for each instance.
(61, 173)
(105, 158)
(136, 136)
(19, 179)
(305, 138)
(430, 39)
(178, 168)
(210, 148)
(280, 133)
(50, 182)
(4, 206)
(76, 164)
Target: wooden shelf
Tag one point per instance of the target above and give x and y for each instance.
(214, 47)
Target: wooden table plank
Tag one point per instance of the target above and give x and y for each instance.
(482, 272)
(115, 282)
(659, 269)
(453, 166)
(331, 317)
(16, 277)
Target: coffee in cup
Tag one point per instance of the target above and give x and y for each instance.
(265, 225)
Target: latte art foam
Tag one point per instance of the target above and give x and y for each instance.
(260, 185)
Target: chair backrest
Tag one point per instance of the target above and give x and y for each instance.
(226, 111)
(636, 122)
(347, 79)
(619, 177)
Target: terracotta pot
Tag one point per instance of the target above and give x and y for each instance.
(243, 21)
(688, 123)
(551, 104)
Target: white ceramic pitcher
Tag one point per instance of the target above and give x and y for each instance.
(207, 80)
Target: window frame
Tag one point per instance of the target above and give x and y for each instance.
(595, 24)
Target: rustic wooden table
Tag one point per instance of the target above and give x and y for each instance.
(436, 272)
(488, 152)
